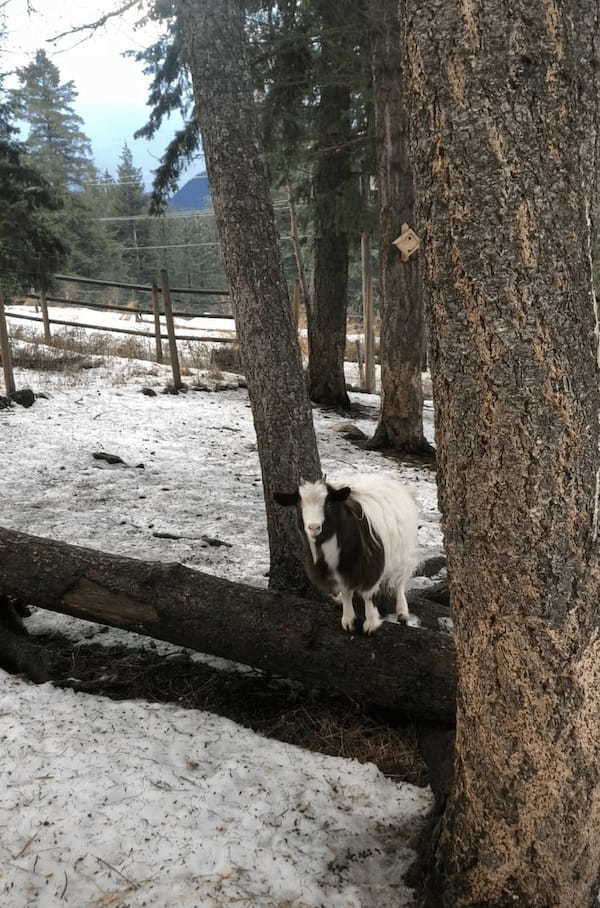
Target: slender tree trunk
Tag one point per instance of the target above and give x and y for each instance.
(216, 55)
(327, 321)
(401, 416)
(505, 118)
(300, 269)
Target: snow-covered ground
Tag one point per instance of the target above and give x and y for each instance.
(221, 327)
(200, 474)
(128, 804)
(132, 803)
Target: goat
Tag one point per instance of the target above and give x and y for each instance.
(361, 535)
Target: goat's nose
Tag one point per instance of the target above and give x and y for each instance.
(314, 528)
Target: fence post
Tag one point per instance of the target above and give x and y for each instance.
(45, 318)
(361, 366)
(164, 281)
(9, 378)
(156, 311)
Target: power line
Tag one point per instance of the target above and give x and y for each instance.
(278, 205)
(303, 236)
(153, 217)
(111, 182)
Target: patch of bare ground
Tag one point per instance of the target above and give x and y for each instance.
(315, 720)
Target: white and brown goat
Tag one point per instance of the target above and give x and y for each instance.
(361, 536)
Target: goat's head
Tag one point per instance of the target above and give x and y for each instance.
(315, 500)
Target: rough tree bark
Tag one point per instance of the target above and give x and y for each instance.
(400, 423)
(215, 48)
(505, 121)
(327, 313)
(408, 670)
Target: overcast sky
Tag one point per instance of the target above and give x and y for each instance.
(112, 89)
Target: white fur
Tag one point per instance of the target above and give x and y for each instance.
(312, 504)
(392, 513)
(331, 554)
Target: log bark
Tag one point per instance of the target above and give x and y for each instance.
(407, 670)
(506, 123)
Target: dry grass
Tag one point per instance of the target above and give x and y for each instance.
(316, 720)
(47, 359)
(195, 356)
(226, 358)
(76, 346)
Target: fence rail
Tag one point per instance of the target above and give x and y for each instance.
(160, 299)
(110, 307)
(74, 279)
(160, 306)
(110, 329)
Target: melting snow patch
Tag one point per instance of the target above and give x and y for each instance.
(136, 803)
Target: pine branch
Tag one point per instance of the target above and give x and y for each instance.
(94, 26)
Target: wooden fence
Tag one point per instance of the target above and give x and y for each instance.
(160, 297)
(161, 305)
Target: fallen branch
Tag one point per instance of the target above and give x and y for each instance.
(408, 670)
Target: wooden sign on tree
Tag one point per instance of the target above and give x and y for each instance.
(407, 243)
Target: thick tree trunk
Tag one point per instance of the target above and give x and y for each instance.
(333, 174)
(401, 417)
(408, 670)
(505, 104)
(216, 55)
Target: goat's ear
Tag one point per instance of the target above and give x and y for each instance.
(339, 494)
(287, 499)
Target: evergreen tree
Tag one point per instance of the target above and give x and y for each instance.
(56, 143)
(58, 147)
(92, 252)
(129, 201)
(130, 195)
(30, 250)
(313, 94)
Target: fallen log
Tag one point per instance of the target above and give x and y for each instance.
(18, 654)
(408, 670)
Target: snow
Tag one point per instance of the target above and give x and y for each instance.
(200, 476)
(221, 327)
(131, 804)
(136, 803)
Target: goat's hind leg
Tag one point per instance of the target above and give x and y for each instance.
(402, 612)
(372, 617)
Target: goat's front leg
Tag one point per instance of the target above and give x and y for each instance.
(372, 616)
(402, 605)
(348, 613)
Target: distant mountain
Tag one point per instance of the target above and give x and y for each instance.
(193, 195)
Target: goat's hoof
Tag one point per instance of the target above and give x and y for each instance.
(412, 620)
(370, 626)
(348, 625)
